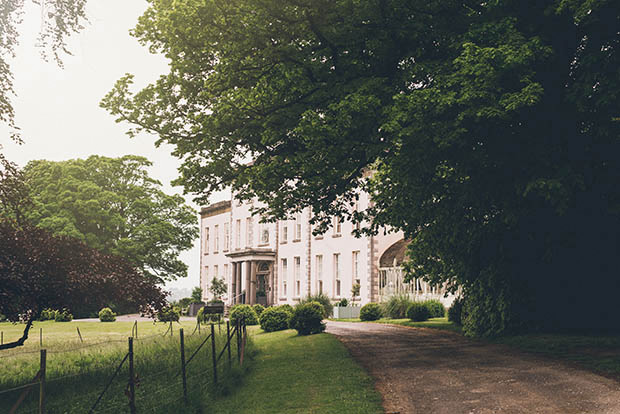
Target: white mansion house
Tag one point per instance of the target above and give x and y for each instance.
(281, 262)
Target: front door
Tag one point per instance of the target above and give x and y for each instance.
(263, 283)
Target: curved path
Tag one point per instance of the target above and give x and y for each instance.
(435, 372)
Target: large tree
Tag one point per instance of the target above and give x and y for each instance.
(39, 270)
(112, 205)
(492, 129)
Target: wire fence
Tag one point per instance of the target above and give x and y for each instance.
(153, 374)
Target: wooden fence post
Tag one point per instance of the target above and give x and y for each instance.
(213, 357)
(42, 369)
(242, 341)
(2, 338)
(183, 364)
(41, 337)
(79, 334)
(132, 385)
(170, 328)
(228, 342)
(238, 341)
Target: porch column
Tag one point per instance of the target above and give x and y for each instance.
(233, 287)
(248, 271)
(238, 277)
(253, 282)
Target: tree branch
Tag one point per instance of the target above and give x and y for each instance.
(20, 341)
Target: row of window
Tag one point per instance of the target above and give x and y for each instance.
(264, 233)
(318, 273)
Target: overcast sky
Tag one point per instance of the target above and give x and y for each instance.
(58, 109)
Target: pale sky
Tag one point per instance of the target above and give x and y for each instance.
(58, 109)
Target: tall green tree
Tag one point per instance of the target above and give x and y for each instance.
(492, 130)
(113, 206)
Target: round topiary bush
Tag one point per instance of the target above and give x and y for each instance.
(436, 308)
(370, 312)
(258, 308)
(238, 312)
(106, 315)
(288, 308)
(308, 318)
(418, 312)
(455, 313)
(275, 318)
(63, 316)
(343, 303)
(169, 314)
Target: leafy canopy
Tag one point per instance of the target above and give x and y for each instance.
(112, 205)
(491, 129)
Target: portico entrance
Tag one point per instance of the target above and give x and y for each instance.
(252, 277)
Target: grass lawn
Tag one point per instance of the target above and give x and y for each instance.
(598, 353)
(78, 371)
(434, 323)
(302, 374)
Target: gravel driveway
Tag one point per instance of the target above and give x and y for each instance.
(432, 371)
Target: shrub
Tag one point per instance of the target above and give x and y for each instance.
(370, 312)
(2, 318)
(237, 312)
(106, 315)
(436, 308)
(258, 308)
(456, 311)
(418, 312)
(275, 318)
(308, 318)
(323, 300)
(396, 307)
(288, 307)
(343, 303)
(47, 315)
(63, 316)
(169, 314)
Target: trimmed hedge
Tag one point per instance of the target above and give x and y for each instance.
(370, 312)
(258, 308)
(418, 312)
(436, 308)
(275, 318)
(63, 316)
(288, 307)
(237, 312)
(455, 313)
(106, 315)
(307, 318)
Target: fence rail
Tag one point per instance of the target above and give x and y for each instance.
(132, 381)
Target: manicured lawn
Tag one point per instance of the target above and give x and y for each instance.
(295, 374)
(78, 371)
(598, 353)
(434, 323)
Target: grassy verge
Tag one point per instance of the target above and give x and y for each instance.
(434, 323)
(302, 374)
(597, 353)
(78, 371)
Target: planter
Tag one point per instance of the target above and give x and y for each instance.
(346, 312)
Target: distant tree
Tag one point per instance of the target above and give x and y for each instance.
(39, 270)
(112, 205)
(60, 19)
(197, 294)
(218, 287)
